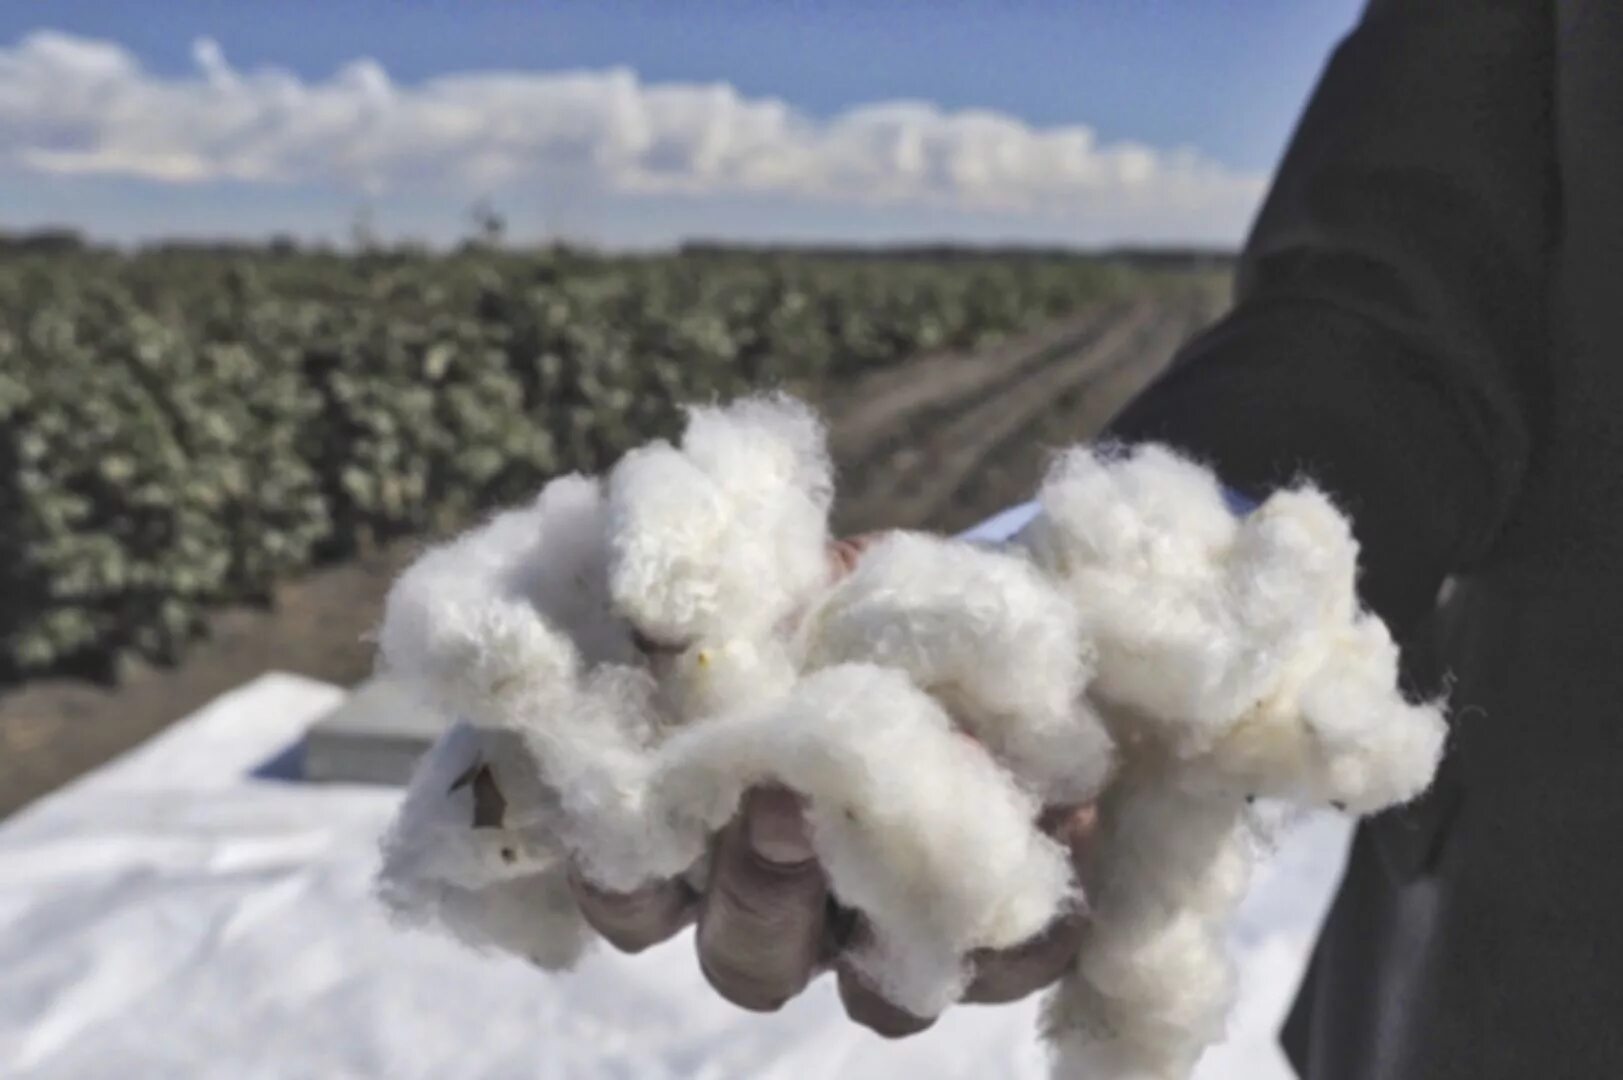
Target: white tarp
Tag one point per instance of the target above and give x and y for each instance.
(173, 916)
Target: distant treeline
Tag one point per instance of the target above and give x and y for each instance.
(1166, 258)
(1172, 257)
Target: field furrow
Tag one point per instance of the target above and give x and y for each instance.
(930, 458)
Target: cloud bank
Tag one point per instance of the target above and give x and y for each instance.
(76, 106)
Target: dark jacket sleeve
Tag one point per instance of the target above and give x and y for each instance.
(1389, 331)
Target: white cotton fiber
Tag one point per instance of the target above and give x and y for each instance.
(626, 658)
(492, 886)
(671, 524)
(503, 612)
(916, 826)
(1154, 982)
(1133, 541)
(985, 633)
(597, 638)
(568, 577)
(725, 536)
(491, 628)
(1232, 661)
(728, 675)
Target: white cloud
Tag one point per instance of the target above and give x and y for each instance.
(74, 106)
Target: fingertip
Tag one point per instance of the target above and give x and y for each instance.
(873, 1011)
(744, 988)
(633, 922)
(1007, 975)
(761, 924)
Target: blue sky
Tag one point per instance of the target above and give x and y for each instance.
(640, 123)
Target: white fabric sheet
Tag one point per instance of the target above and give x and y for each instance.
(172, 915)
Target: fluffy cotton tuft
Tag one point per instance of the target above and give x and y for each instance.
(1232, 661)
(456, 628)
(626, 658)
(632, 656)
(916, 827)
(725, 536)
(496, 628)
(984, 632)
(492, 885)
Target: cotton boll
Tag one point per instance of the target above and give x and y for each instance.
(449, 627)
(1290, 587)
(1379, 749)
(1144, 508)
(1083, 1047)
(1167, 989)
(567, 578)
(1232, 660)
(495, 615)
(1136, 544)
(759, 448)
(915, 825)
(669, 533)
(1143, 1008)
(492, 886)
(911, 793)
(1336, 730)
(770, 455)
(925, 708)
(725, 537)
(468, 625)
(1165, 842)
(985, 634)
(599, 757)
(1198, 624)
(1294, 562)
(1153, 983)
(433, 838)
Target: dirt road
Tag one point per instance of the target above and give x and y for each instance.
(939, 442)
(944, 442)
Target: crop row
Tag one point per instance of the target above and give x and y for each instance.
(182, 429)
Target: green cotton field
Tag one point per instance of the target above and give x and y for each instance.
(180, 429)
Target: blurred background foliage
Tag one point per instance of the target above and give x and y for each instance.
(181, 427)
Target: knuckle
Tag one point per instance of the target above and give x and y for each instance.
(766, 898)
(771, 898)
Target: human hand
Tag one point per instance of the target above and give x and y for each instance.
(767, 925)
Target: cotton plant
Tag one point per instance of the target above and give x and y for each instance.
(628, 655)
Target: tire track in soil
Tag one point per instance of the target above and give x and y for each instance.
(951, 460)
(1012, 471)
(869, 410)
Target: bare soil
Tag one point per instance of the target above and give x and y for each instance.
(940, 442)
